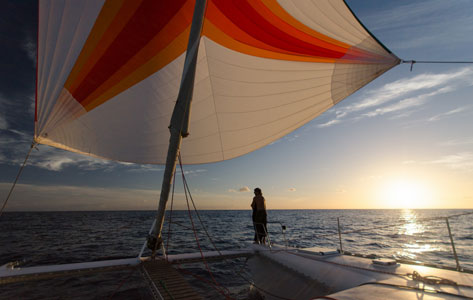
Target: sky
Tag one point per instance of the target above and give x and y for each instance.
(403, 141)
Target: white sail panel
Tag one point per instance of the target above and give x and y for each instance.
(109, 88)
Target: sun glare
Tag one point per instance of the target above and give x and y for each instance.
(405, 194)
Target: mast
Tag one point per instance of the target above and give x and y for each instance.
(179, 121)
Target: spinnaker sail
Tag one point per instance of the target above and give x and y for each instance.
(109, 73)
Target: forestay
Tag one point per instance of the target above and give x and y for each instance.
(109, 73)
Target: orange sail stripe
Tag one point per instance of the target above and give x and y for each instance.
(218, 36)
(148, 20)
(251, 21)
(174, 28)
(294, 31)
(163, 58)
(215, 16)
(102, 35)
(276, 9)
(101, 73)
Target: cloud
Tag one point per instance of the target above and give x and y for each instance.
(3, 123)
(329, 123)
(29, 46)
(56, 160)
(292, 189)
(403, 87)
(244, 189)
(3, 120)
(399, 15)
(141, 168)
(461, 161)
(458, 142)
(448, 113)
(452, 25)
(14, 145)
(402, 95)
(194, 172)
(401, 105)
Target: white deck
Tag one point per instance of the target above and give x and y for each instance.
(351, 277)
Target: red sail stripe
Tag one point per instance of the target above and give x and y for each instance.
(148, 20)
(221, 21)
(248, 19)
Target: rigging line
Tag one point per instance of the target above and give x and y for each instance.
(459, 215)
(399, 224)
(434, 62)
(195, 233)
(186, 186)
(412, 62)
(33, 144)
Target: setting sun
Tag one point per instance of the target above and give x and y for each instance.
(405, 193)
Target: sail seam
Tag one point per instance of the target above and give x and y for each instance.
(213, 100)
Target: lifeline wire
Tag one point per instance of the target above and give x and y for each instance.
(399, 224)
(33, 144)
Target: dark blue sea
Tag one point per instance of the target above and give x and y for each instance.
(39, 238)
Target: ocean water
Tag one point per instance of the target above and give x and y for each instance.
(39, 238)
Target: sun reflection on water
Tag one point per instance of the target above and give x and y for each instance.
(413, 230)
(411, 226)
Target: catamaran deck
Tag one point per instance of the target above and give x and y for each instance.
(355, 277)
(166, 282)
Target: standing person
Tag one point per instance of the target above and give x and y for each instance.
(259, 216)
(253, 217)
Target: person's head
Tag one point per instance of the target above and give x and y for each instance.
(258, 191)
